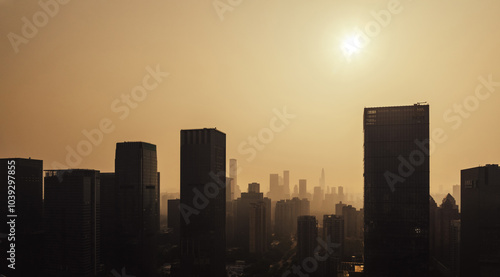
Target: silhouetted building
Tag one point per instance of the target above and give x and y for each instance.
(258, 231)
(138, 207)
(246, 207)
(233, 174)
(440, 235)
(174, 220)
(203, 165)
(302, 188)
(24, 201)
(286, 184)
(109, 222)
(333, 232)
(456, 194)
(307, 234)
(72, 223)
(396, 182)
(286, 214)
(317, 201)
(480, 221)
(339, 208)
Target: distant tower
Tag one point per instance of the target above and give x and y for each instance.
(302, 188)
(203, 165)
(322, 179)
(274, 187)
(233, 174)
(286, 184)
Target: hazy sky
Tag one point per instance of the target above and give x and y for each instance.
(65, 68)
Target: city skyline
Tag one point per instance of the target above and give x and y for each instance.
(247, 65)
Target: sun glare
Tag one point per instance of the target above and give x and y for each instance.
(350, 46)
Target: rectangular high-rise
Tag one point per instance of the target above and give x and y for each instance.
(396, 190)
(480, 221)
(138, 209)
(72, 223)
(21, 196)
(203, 202)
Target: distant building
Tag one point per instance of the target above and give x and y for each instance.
(333, 232)
(203, 165)
(456, 194)
(317, 200)
(248, 219)
(480, 221)
(286, 184)
(302, 188)
(233, 174)
(286, 214)
(396, 191)
(72, 212)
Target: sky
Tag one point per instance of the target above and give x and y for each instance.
(76, 77)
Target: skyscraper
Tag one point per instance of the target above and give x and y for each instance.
(480, 221)
(307, 234)
(21, 195)
(322, 179)
(138, 209)
(203, 165)
(72, 212)
(302, 188)
(396, 182)
(333, 231)
(233, 174)
(286, 184)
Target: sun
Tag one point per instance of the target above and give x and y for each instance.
(350, 46)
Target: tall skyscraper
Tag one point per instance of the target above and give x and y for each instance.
(333, 231)
(203, 165)
(396, 188)
(480, 221)
(456, 194)
(72, 217)
(302, 188)
(21, 195)
(322, 179)
(233, 174)
(307, 234)
(275, 192)
(138, 207)
(286, 184)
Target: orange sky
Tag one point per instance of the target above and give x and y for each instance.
(231, 70)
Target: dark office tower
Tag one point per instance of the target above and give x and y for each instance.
(138, 209)
(307, 234)
(257, 227)
(396, 194)
(455, 248)
(72, 223)
(233, 174)
(109, 221)
(440, 236)
(174, 220)
(203, 165)
(286, 184)
(333, 232)
(244, 213)
(21, 196)
(480, 233)
(302, 188)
